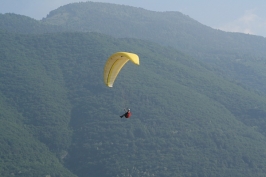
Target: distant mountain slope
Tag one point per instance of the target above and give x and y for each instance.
(167, 28)
(25, 25)
(32, 129)
(236, 56)
(186, 121)
(239, 57)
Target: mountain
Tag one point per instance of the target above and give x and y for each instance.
(25, 25)
(30, 108)
(236, 56)
(186, 120)
(228, 53)
(197, 111)
(167, 28)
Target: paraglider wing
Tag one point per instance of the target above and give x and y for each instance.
(115, 63)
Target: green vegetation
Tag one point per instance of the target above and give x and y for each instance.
(25, 25)
(34, 111)
(191, 117)
(235, 56)
(186, 120)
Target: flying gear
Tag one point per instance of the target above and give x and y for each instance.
(112, 68)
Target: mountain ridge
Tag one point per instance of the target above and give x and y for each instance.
(229, 54)
(187, 119)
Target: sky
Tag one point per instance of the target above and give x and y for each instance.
(245, 16)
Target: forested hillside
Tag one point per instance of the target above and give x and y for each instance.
(198, 97)
(167, 28)
(236, 56)
(55, 110)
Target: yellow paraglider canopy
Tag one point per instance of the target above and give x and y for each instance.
(115, 63)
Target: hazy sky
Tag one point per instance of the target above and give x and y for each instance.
(247, 16)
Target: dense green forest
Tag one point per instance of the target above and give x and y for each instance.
(26, 25)
(182, 112)
(236, 56)
(190, 118)
(228, 53)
